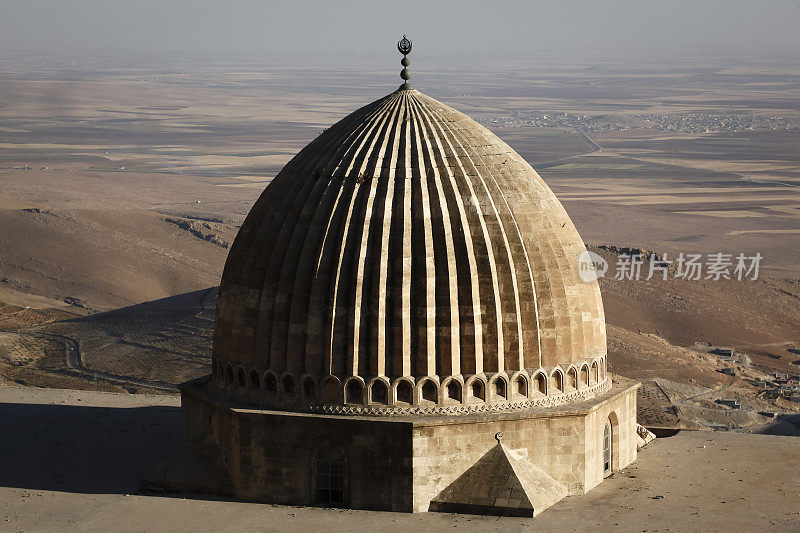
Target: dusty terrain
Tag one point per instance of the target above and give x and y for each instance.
(124, 182)
(76, 457)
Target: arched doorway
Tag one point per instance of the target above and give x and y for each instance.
(329, 477)
(607, 449)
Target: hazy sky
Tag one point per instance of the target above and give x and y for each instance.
(725, 27)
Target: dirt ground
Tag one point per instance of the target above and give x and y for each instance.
(72, 460)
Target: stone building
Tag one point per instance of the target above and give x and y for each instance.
(401, 325)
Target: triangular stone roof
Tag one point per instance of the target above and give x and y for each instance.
(500, 483)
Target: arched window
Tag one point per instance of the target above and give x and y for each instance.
(331, 391)
(255, 381)
(240, 381)
(541, 383)
(309, 389)
(477, 390)
(379, 392)
(354, 392)
(500, 388)
(229, 375)
(572, 378)
(585, 376)
(522, 386)
(429, 391)
(288, 387)
(271, 384)
(607, 448)
(558, 381)
(454, 390)
(404, 392)
(329, 479)
(595, 374)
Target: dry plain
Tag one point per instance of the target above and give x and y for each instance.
(123, 183)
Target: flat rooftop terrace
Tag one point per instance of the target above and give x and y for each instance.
(72, 461)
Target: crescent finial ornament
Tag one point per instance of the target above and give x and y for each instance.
(404, 45)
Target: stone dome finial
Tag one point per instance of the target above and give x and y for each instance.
(404, 46)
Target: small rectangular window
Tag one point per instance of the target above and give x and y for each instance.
(329, 489)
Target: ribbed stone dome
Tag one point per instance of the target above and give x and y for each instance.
(408, 260)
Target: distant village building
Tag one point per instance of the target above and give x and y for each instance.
(401, 325)
(725, 353)
(729, 355)
(732, 403)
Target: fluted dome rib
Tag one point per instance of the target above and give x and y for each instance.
(406, 241)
